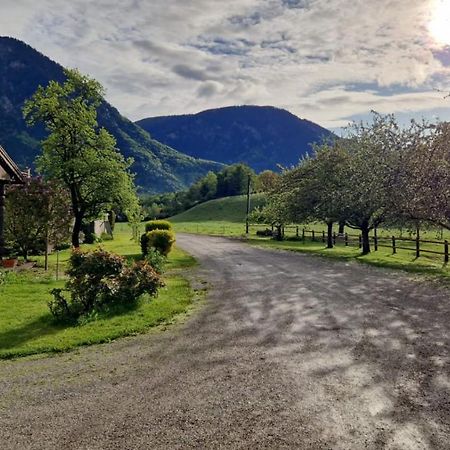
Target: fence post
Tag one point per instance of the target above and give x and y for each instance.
(334, 238)
(346, 239)
(313, 235)
(303, 235)
(446, 251)
(296, 231)
(375, 239)
(323, 236)
(359, 241)
(417, 247)
(394, 248)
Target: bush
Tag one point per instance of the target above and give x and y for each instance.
(161, 240)
(98, 280)
(158, 225)
(156, 260)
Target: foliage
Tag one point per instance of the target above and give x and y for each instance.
(158, 225)
(233, 180)
(350, 180)
(100, 279)
(161, 240)
(266, 181)
(78, 153)
(36, 213)
(156, 260)
(422, 182)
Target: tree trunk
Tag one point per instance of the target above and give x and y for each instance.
(365, 239)
(341, 227)
(329, 234)
(76, 230)
(279, 233)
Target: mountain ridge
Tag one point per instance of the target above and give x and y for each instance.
(262, 136)
(158, 167)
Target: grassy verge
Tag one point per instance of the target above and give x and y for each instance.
(26, 326)
(403, 260)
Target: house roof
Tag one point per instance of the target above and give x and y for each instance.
(9, 172)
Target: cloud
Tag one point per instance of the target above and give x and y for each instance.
(209, 89)
(190, 73)
(321, 59)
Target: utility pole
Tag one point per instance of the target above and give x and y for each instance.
(248, 204)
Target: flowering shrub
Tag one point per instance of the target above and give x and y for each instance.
(100, 279)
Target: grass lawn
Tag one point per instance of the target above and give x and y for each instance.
(26, 326)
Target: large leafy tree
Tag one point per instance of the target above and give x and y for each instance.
(313, 189)
(422, 184)
(79, 153)
(367, 187)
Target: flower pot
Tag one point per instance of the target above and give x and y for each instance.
(9, 263)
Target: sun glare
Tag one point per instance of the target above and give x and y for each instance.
(440, 22)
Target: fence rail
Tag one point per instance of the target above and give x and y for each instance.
(378, 241)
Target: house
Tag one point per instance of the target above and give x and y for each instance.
(9, 174)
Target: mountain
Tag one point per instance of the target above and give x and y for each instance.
(158, 167)
(261, 136)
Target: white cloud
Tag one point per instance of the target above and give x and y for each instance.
(326, 60)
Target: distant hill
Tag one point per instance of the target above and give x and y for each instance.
(260, 136)
(158, 167)
(227, 209)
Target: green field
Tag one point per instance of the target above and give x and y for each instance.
(222, 216)
(26, 326)
(211, 218)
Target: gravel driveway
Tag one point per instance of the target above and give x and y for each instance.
(291, 351)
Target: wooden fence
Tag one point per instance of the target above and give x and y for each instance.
(416, 245)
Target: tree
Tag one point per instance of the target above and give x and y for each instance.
(312, 190)
(266, 181)
(78, 153)
(422, 184)
(365, 191)
(37, 213)
(232, 180)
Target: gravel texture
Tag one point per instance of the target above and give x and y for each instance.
(291, 351)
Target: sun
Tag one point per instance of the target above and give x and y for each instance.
(440, 22)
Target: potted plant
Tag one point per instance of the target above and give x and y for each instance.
(9, 262)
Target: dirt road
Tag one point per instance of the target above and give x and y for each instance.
(291, 351)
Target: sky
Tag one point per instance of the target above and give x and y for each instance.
(329, 61)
